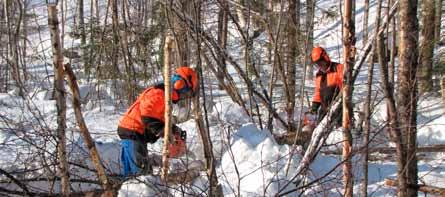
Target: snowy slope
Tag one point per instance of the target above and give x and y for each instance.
(248, 160)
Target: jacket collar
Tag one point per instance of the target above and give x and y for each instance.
(331, 68)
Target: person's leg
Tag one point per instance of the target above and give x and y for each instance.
(129, 161)
(141, 155)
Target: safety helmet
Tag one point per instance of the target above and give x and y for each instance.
(185, 79)
(318, 53)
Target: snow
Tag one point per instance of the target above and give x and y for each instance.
(256, 161)
(249, 162)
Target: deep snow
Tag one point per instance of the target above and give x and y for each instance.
(249, 161)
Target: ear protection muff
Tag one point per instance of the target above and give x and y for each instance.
(179, 84)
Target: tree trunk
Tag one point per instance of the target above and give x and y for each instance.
(3, 53)
(426, 47)
(13, 30)
(292, 40)
(214, 189)
(349, 58)
(62, 17)
(365, 22)
(25, 38)
(168, 109)
(392, 63)
(95, 12)
(89, 142)
(310, 14)
(308, 39)
(407, 94)
(437, 20)
(127, 57)
(115, 45)
(223, 18)
(367, 129)
(395, 133)
(442, 88)
(53, 23)
(182, 48)
(81, 22)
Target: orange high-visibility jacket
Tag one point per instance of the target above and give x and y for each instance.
(328, 85)
(147, 110)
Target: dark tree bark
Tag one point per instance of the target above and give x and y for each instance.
(223, 18)
(365, 22)
(127, 57)
(395, 133)
(115, 25)
(24, 40)
(310, 36)
(215, 189)
(426, 47)
(407, 94)
(182, 48)
(292, 40)
(393, 56)
(13, 29)
(437, 20)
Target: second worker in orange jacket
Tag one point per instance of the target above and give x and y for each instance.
(328, 81)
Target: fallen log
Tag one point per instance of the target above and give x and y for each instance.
(390, 150)
(393, 157)
(421, 187)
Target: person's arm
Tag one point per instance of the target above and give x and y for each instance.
(152, 109)
(340, 75)
(316, 100)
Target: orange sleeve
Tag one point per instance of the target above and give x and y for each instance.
(317, 97)
(340, 76)
(152, 104)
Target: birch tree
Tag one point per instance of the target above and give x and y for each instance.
(53, 24)
(348, 59)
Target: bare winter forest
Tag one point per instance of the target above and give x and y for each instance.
(254, 122)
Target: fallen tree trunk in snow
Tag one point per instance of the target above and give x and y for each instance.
(390, 150)
(89, 142)
(423, 188)
(318, 136)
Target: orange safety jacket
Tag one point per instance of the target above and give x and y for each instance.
(144, 120)
(327, 85)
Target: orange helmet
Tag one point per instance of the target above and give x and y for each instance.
(319, 53)
(185, 79)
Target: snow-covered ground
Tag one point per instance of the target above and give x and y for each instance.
(249, 162)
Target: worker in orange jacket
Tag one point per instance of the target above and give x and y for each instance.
(144, 122)
(328, 84)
